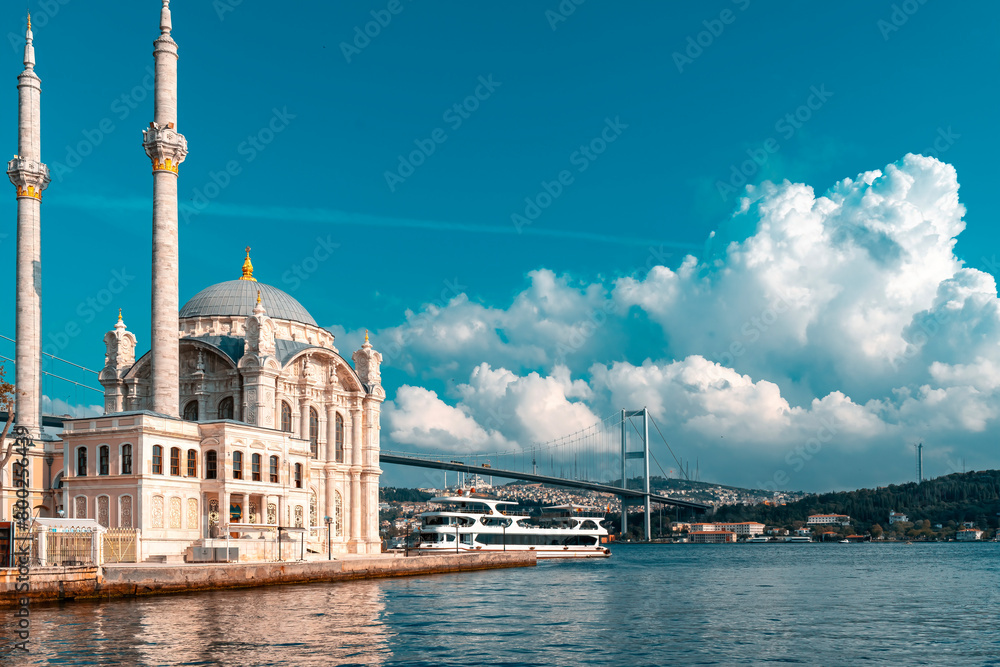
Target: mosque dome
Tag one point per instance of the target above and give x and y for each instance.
(238, 297)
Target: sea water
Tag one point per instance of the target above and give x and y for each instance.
(812, 604)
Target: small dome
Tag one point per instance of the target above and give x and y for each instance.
(238, 297)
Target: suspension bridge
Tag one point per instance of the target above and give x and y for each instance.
(598, 458)
(594, 459)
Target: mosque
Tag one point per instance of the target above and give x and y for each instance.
(242, 417)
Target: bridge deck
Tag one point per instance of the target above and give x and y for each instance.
(545, 479)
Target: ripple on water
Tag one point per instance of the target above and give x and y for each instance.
(647, 605)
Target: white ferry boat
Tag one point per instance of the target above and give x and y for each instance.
(468, 522)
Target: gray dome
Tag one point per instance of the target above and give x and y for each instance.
(238, 297)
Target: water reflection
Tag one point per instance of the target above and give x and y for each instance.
(319, 624)
(706, 604)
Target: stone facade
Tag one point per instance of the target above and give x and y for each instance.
(237, 422)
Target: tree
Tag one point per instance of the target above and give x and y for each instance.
(7, 405)
(876, 531)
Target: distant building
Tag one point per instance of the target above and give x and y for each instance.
(969, 535)
(743, 529)
(803, 532)
(896, 517)
(712, 536)
(678, 526)
(968, 524)
(824, 519)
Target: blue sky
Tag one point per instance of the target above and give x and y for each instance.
(634, 115)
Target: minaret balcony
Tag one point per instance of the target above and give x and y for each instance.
(165, 146)
(28, 176)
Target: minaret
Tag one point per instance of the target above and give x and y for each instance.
(167, 149)
(29, 177)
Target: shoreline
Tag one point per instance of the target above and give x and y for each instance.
(131, 580)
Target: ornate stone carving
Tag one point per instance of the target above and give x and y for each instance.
(298, 516)
(368, 363)
(104, 511)
(120, 344)
(164, 146)
(338, 514)
(272, 514)
(29, 177)
(192, 517)
(126, 511)
(175, 512)
(81, 507)
(259, 337)
(157, 512)
(253, 513)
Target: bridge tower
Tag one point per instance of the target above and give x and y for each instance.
(644, 455)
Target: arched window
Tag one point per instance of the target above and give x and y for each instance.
(126, 459)
(226, 409)
(313, 433)
(211, 464)
(157, 460)
(175, 461)
(255, 467)
(237, 465)
(81, 462)
(338, 432)
(191, 411)
(286, 417)
(274, 470)
(192, 463)
(298, 475)
(103, 460)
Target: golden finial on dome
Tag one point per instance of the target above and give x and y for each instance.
(366, 336)
(248, 269)
(119, 314)
(258, 297)
(29, 21)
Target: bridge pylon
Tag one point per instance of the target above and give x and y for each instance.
(644, 455)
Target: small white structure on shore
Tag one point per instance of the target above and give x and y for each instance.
(969, 535)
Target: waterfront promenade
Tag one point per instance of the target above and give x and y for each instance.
(141, 579)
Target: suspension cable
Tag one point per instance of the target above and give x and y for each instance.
(65, 361)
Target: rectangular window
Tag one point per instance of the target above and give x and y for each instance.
(211, 465)
(237, 465)
(255, 467)
(126, 459)
(157, 460)
(298, 475)
(104, 460)
(192, 463)
(175, 461)
(274, 470)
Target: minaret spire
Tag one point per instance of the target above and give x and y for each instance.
(29, 48)
(165, 26)
(30, 177)
(167, 149)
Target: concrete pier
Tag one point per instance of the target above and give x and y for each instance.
(137, 579)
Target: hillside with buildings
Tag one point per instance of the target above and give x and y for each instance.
(939, 508)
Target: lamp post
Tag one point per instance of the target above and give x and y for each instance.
(329, 553)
